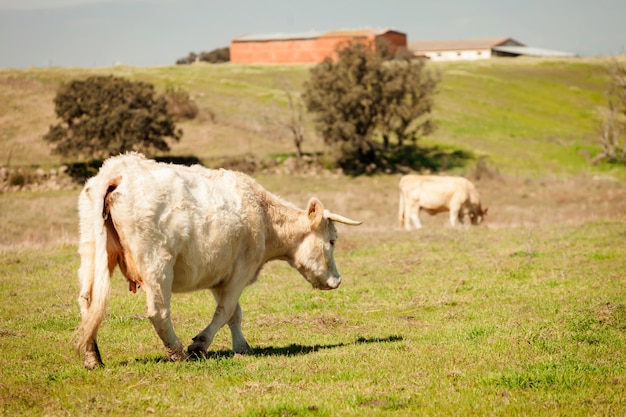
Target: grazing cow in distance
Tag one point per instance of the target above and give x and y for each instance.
(437, 194)
(173, 228)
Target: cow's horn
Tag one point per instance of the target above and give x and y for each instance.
(338, 218)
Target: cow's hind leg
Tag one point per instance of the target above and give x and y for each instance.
(91, 358)
(158, 302)
(402, 219)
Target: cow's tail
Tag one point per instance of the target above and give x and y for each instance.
(401, 203)
(94, 272)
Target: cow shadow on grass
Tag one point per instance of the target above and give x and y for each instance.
(294, 349)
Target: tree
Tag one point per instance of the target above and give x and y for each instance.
(342, 96)
(296, 121)
(189, 59)
(364, 96)
(613, 123)
(407, 101)
(179, 103)
(282, 124)
(215, 56)
(106, 115)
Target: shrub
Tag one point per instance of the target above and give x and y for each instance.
(106, 115)
(179, 104)
(17, 179)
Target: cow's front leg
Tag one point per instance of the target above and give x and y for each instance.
(413, 216)
(454, 215)
(227, 311)
(158, 301)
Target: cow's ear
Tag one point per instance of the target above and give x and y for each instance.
(485, 210)
(315, 212)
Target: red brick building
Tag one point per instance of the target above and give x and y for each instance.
(304, 47)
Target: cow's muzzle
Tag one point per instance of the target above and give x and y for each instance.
(332, 283)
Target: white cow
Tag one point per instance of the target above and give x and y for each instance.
(436, 194)
(172, 228)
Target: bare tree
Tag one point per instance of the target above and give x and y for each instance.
(613, 123)
(296, 121)
(290, 126)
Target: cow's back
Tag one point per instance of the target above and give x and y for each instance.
(434, 192)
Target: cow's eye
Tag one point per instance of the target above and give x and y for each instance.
(332, 242)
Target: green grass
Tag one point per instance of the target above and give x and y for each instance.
(444, 322)
(528, 115)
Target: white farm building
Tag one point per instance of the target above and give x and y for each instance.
(473, 49)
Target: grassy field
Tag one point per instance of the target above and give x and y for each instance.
(513, 321)
(523, 315)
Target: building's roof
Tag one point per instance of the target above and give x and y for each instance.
(356, 32)
(531, 51)
(312, 35)
(277, 36)
(458, 45)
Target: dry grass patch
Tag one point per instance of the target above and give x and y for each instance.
(51, 217)
(26, 111)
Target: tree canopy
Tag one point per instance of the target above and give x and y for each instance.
(105, 115)
(214, 57)
(366, 105)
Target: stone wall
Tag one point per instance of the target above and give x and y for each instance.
(37, 179)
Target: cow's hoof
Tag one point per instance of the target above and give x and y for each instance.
(92, 360)
(196, 351)
(176, 354)
(243, 349)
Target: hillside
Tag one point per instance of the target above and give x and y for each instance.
(527, 116)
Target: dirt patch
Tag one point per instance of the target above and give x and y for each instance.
(517, 202)
(512, 202)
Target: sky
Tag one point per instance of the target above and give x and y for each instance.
(102, 33)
